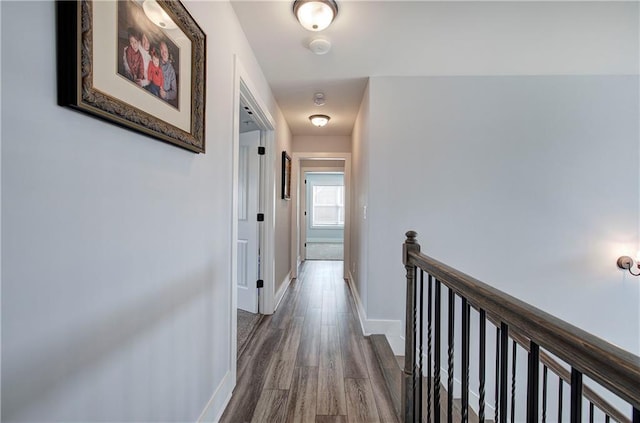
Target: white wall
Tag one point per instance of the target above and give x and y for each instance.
(358, 268)
(527, 183)
(283, 209)
(116, 247)
(327, 144)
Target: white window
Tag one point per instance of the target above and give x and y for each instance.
(328, 205)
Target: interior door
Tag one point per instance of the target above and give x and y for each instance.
(248, 235)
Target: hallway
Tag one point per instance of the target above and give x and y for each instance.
(309, 362)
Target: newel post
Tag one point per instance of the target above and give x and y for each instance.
(409, 387)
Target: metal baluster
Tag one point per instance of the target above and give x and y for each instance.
(607, 419)
(481, 371)
(504, 362)
(532, 382)
(429, 324)
(590, 412)
(497, 380)
(560, 401)
(576, 396)
(636, 416)
(419, 375)
(452, 320)
(436, 351)
(544, 394)
(513, 382)
(464, 366)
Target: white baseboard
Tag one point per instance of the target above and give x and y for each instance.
(283, 288)
(392, 329)
(325, 240)
(221, 396)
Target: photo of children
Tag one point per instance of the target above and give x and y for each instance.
(146, 55)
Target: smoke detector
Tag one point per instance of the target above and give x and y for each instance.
(318, 99)
(320, 46)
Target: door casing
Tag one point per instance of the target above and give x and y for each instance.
(297, 184)
(245, 93)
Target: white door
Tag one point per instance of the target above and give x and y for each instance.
(248, 239)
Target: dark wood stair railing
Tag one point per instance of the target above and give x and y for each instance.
(525, 327)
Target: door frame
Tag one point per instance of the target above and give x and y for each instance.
(244, 92)
(296, 178)
(302, 253)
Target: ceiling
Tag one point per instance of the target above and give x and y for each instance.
(428, 38)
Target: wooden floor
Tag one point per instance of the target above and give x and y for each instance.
(309, 361)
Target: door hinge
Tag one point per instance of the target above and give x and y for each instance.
(305, 182)
(260, 217)
(259, 283)
(261, 151)
(305, 245)
(305, 213)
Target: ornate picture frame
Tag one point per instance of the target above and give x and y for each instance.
(139, 64)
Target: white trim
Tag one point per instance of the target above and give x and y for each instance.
(266, 123)
(244, 91)
(295, 196)
(392, 329)
(219, 400)
(302, 204)
(325, 240)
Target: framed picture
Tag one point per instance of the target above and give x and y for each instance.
(139, 64)
(286, 176)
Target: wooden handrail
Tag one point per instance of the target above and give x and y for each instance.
(612, 367)
(564, 374)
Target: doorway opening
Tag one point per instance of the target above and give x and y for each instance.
(249, 233)
(336, 209)
(252, 217)
(324, 215)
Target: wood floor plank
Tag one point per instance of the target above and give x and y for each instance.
(281, 368)
(301, 406)
(287, 305)
(331, 419)
(384, 402)
(329, 308)
(361, 405)
(342, 299)
(309, 349)
(331, 391)
(271, 407)
(352, 356)
(250, 381)
(302, 303)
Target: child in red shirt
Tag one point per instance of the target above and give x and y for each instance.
(154, 72)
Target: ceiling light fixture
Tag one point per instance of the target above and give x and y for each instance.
(319, 120)
(157, 15)
(315, 15)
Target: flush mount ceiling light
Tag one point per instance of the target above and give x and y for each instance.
(157, 15)
(319, 120)
(315, 15)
